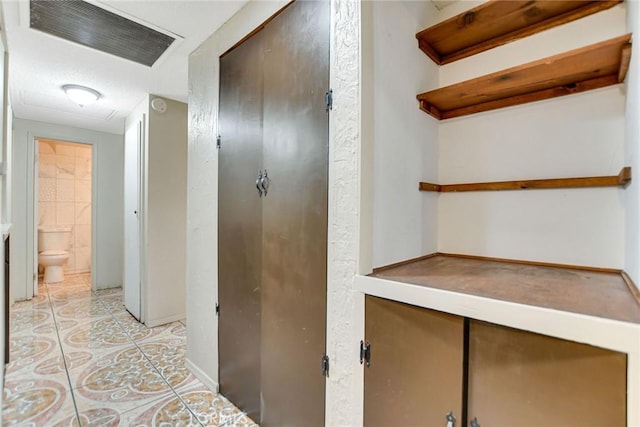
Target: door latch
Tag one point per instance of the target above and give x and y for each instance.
(365, 353)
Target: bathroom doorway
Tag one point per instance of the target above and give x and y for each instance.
(63, 211)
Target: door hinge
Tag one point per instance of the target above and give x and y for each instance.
(328, 100)
(325, 365)
(217, 309)
(365, 353)
(218, 139)
(451, 420)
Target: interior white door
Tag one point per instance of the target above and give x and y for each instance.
(132, 277)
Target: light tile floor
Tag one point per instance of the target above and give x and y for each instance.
(78, 358)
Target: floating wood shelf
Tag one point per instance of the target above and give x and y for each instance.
(620, 180)
(499, 22)
(605, 293)
(591, 67)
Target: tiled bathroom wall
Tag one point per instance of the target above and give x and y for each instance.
(64, 171)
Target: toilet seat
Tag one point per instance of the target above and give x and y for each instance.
(53, 253)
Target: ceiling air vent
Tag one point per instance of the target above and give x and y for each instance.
(92, 26)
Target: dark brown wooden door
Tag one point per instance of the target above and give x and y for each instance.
(522, 379)
(240, 225)
(272, 250)
(416, 372)
(296, 150)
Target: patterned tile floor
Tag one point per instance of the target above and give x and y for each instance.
(78, 358)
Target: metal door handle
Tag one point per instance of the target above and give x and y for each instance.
(264, 183)
(451, 420)
(474, 422)
(258, 183)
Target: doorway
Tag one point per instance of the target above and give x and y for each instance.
(63, 192)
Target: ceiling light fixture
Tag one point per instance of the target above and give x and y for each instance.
(81, 95)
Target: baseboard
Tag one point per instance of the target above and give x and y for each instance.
(204, 378)
(163, 321)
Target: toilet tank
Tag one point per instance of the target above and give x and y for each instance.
(54, 237)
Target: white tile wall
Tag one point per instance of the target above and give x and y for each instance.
(47, 190)
(83, 213)
(65, 190)
(48, 167)
(83, 235)
(46, 213)
(83, 259)
(83, 190)
(66, 167)
(65, 213)
(64, 185)
(83, 168)
(46, 147)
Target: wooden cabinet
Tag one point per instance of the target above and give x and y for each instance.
(518, 378)
(415, 374)
(425, 363)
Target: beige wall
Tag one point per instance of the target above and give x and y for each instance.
(166, 197)
(64, 196)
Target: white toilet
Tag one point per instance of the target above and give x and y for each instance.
(53, 242)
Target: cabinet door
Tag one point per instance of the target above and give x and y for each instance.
(415, 376)
(518, 378)
(296, 146)
(240, 225)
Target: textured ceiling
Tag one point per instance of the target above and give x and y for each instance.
(40, 63)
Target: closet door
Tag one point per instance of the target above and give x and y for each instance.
(240, 225)
(519, 378)
(296, 76)
(416, 372)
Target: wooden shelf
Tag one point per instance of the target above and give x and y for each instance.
(499, 22)
(591, 67)
(604, 293)
(620, 180)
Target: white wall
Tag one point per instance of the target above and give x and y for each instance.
(632, 153)
(405, 139)
(577, 135)
(107, 201)
(166, 201)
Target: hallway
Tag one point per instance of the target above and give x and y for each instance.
(79, 358)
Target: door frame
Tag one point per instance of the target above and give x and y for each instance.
(32, 205)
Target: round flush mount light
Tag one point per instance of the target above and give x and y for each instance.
(81, 95)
